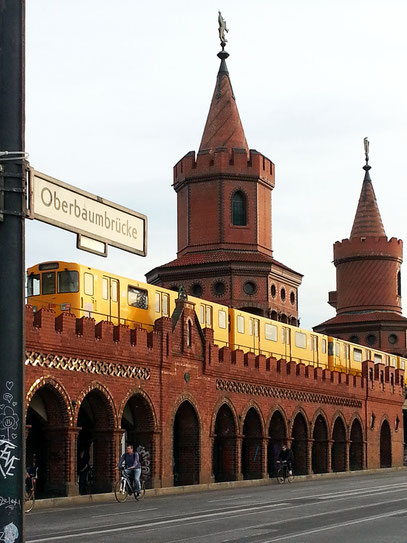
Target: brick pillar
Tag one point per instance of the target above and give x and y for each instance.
(155, 460)
(211, 444)
(264, 469)
(310, 442)
(72, 488)
(239, 474)
(329, 444)
(105, 457)
(347, 452)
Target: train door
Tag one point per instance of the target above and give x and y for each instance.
(110, 293)
(314, 349)
(162, 304)
(254, 332)
(205, 316)
(286, 340)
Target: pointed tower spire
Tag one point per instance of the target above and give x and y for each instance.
(223, 126)
(368, 221)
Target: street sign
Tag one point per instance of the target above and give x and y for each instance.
(73, 209)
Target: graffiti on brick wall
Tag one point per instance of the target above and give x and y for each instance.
(286, 394)
(145, 460)
(9, 424)
(96, 367)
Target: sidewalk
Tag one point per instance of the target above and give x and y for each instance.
(108, 497)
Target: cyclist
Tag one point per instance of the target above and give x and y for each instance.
(286, 455)
(131, 462)
(31, 473)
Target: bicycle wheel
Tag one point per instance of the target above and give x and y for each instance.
(290, 476)
(142, 492)
(120, 490)
(280, 476)
(29, 501)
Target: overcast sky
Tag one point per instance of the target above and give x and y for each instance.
(118, 92)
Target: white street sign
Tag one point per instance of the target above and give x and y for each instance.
(73, 209)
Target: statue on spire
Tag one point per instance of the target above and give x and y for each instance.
(366, 145)
(222, 29)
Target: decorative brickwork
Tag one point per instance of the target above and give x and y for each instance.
(285, 394)
(87, 366)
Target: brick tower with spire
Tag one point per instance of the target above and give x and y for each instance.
(368, 281)
(224, 219)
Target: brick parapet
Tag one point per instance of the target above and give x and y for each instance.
(106, 342)
(377, 247)
(221, 161)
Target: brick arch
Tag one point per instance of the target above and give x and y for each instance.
(356, 449)
(282, 412)
(300, 435)
(385, 444)
(252, 443)
(321, 412)
(342, 416)
(224, 452)
(106, 395)
(62, 396)
(186, 398)
(138, 392)
(339, 438)
(320, 435)
(298, 411)
(187, 432)
(277, 437)
(246, 409)
(217, 406)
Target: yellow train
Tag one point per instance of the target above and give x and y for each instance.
(85, 291)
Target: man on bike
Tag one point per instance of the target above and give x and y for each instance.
(286, 455)
(131, 462)
(31, 474)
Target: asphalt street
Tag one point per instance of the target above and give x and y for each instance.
(366, 508)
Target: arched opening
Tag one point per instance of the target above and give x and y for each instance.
(299, 444)
(356, 446)
(277, 436)
(338, 453)
(138, 425)
(47, 441)
(95, 438)
(320, 446)
(284, 318)
(385, 445)
(252, 450)
(186, 451)
(239, 211)
(224, 446)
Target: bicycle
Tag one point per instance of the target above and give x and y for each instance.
(124, 488)
(29, 497)
(283, 473)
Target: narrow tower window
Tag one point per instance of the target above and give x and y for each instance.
(399, 283)
(239, 214)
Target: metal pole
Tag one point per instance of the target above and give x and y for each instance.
(12, 196)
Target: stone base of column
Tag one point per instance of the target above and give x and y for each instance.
(72, 489)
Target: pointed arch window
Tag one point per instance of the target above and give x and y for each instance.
(239, 209)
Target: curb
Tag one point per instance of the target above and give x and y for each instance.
(88, 499)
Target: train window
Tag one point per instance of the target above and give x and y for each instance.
(157, 302)
(33, 285)
(346, 351)
(240, 324)
(48, 283)
(357, 355)
(256, 327)
(222, 318)
(323, 346)
(68, 281)
(377, 359)
(165, 303)
(300, 340)
(250, 327)
(137, 297)
(114, 290)
(402, 364)
(88, 283)
(202, 314)
(393, 361)
(337, 349)
(270, 332)
(105, 288)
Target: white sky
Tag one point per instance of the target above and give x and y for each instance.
(118, 92)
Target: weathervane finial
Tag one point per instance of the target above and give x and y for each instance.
(366, 145)
(222, 29)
